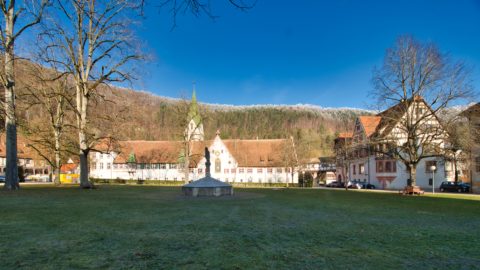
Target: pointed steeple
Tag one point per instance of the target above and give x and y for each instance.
(194, 130)
(193, 113)
(194, 95)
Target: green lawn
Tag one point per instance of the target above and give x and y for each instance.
(124, 227)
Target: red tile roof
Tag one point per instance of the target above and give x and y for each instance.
(345, 135)
(258, 153)
(248, 153)
(369, 123)
(23, 150)
(68, 168)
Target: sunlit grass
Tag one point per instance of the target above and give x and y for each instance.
(124, 227)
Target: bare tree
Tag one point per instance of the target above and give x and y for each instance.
(29, 13)
(51, 92)
(199, 7)
(417, 82)
(188, 111)
(290, 158)
(463, 137)
(93, 43)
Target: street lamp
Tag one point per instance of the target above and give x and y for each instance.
(432, 169)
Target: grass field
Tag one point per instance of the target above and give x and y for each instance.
(125, 227)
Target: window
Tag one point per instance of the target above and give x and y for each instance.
(354, 169)
(173, 166)
(259, 170)
(200, 170)
(287, 170)
(249, 170)
(115, 166)
(386, 166)
(163, 166)
(232, 170)
(241, 170)
(477, 164)
(218, 165)
(226, 170)
(270, 170)
(419, 111)
(379, 165)
(279, 170)
(94, 165)
(429, 164)
(101, 165)
(147, 166)
(361, 168)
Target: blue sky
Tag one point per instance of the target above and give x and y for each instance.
(290, 52)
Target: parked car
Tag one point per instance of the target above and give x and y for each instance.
(2, 179)
(368, 186)
(454, 187)
(336, 184)
(354, 184)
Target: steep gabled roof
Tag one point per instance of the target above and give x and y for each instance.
(24, 151)
(389, 117)
(369, 123)
(68, 168)
(472, 110)
(257, 153)
(149, 151)
(247, 153)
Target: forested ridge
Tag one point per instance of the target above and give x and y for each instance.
(127, 114)
(151, 117)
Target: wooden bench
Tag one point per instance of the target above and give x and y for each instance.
(408, 190)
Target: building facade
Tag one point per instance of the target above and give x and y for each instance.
(31, 165)
(233, 160)
(363, 155)
(473, 116)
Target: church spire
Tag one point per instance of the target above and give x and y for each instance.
(194, 130)
(194, 95)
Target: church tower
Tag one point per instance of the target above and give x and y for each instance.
(194, 130)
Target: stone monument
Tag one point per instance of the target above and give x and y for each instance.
(207, 186)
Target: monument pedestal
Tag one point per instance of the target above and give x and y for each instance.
(207, 186)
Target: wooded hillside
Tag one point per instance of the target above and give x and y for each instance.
(136, 115)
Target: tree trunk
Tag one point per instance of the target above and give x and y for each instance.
(186, 163)
(456, 171)
(413, 175)
(57, 164)
(84, 182)
(84, 149)
(11, 168)
(187, 168)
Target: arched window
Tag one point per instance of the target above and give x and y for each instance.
(218, 165)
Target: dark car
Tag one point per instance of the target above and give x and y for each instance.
(355, 184)
(336, 184)
(454, 187)
(2, 178)
(368, 186)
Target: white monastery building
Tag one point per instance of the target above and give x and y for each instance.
(233, 160)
